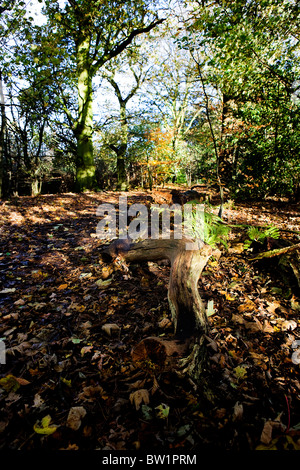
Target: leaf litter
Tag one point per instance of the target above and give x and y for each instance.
(69, 322)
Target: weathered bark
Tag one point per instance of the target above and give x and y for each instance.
(187, 308)
(2, 132)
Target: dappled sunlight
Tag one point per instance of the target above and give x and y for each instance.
(86, 326)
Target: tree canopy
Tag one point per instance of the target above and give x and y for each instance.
(88, 87)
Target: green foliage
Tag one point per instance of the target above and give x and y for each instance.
(246, 132)
(211, 229)
(251, 59)
(215, 231)
(259, 235)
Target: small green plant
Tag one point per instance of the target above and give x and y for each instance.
(259, 235)
(212, 229)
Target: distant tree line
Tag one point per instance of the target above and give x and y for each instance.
(103, 95)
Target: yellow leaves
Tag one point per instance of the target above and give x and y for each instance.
(10, 383)
(106, 271)
(39, 275)
(240, 372)
(227, 295)
(62, 287)
(213, 263)
(163, 411)
(44, 427)
(67, 382)
(247, 306)
(102, 284)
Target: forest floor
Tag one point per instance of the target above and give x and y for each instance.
(70, 381)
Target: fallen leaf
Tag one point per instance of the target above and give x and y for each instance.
(163, 411)
(44, 427)
(210, 310)
(62, 287)
(164, 323)
(103, 284)
(240, 372)
(294, 304)
(90, 393)
(75, 416)
(106, 272)
(296, 357)
(288, 325)
(238, 411)
(85, 275)
(67, 382)
(138, 397)
(86, 349)
(20, 302)
(109, 328)
(12, 383)
(7, 291)
(76, 340)
(38, 401)
(248, 306)
(266, 435)
(272, 306)
(229, 297)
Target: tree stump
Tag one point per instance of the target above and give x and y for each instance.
(186, 306)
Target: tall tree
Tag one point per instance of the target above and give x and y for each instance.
(251, 57)
(94, 33)
(135, 69)
(11, 14)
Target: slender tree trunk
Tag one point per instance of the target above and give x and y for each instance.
(122, 147)
(2, 134)
(85, 166)
(121, 173)
(121, 167)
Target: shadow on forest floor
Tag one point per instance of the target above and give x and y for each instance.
(57, 294)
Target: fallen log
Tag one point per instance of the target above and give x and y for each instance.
(276, 252)
(291, 254)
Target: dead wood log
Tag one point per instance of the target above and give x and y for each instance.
(276, 252)
(186, 306)
(291, 254)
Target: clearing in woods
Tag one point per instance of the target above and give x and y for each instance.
(69, 322)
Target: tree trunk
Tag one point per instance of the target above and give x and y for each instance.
(2, 133)
(121, 174)
(85, 166)
(186, 306)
